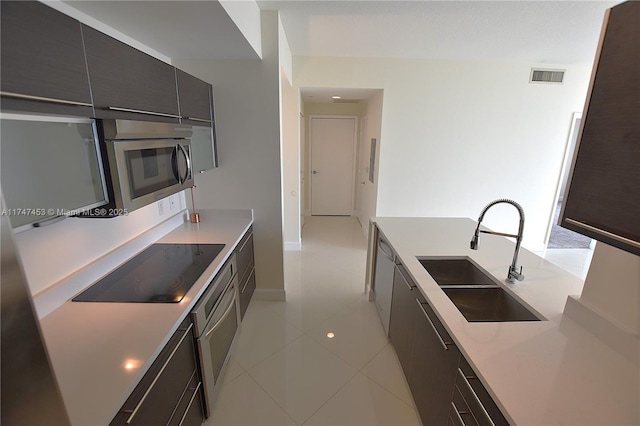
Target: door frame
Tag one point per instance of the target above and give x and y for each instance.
(354, 148)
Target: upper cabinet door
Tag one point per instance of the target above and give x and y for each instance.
(603, 200)
(43, 63)
(127, 83)
(195, 99)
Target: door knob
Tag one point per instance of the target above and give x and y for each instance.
(315, 172)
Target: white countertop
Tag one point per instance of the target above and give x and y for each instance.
(552, 372)
(89, 344)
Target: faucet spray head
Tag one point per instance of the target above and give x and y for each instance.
(474, 242)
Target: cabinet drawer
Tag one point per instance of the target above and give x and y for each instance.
(460, 413)
(246, 291)
(189, 410)
(244, 256)
(480, 403)
(155, 398)
(124, 78)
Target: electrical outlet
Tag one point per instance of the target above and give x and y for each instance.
(161, 207)
(173, 203)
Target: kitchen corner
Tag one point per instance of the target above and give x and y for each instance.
(100, 351)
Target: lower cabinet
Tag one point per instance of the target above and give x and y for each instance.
(170, 392)
(434, 363)
(472, 404)
(404, 310)
(246, 270)
(444, 387)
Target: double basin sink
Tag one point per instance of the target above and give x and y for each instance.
(475, 293)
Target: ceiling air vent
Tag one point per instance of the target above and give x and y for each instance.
(546, 76)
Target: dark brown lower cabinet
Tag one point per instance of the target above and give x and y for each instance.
(434, 364)
(170, 392)
(471, 401)
(444, 387)
(404, 310)
(246, 270)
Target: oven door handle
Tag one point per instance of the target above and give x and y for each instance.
(232, 303)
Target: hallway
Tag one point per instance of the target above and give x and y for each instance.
(321, 357)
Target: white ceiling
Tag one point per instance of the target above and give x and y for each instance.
(551, 31)
(540, 31)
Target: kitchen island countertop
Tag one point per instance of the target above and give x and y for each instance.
(551, 372)
(100, 351)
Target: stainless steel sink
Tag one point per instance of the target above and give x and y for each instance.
(488, 305)
(476, 293)
(456, 271)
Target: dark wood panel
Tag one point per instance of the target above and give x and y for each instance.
(404, 312)
(124, 77)
(246, 293)
(172, 382)
(195, 99)
(433, 370)
(605, 186)
(42, 55)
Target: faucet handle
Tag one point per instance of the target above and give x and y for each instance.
(514, 274)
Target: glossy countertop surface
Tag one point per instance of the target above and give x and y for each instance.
(100, 351)
(550, 372)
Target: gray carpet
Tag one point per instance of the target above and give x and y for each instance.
(564, 238)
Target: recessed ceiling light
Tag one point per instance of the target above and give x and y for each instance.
(336, 97)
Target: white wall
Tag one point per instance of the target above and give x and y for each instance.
(290, 102)
(246, 15)
(247, 94)
(457, 135)
(368, 192)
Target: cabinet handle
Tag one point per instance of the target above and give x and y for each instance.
(404, 278)
(445, 345)
(224, 316)
(198, 119)
(43, 99)
(455, 410)
(245, 243)
(475, 396)
(246, 283)
(193, 397)
(381, 242)
(139, 404)
(139, 111)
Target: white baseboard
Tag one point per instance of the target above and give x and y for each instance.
(273, 295)
(292, 246)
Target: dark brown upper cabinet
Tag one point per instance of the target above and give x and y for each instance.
(127, 83)
(603, 200)
(195, 97)
(43, 62)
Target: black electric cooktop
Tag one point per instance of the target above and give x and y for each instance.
(162, 273)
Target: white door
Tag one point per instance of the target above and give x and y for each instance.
(363, 172)
(332, 165)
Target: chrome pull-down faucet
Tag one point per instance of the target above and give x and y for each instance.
(513, 274)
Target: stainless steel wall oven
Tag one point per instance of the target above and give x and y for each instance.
(217, 319)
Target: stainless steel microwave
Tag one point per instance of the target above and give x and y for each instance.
(147, 161)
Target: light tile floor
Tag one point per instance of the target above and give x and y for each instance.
(287, 371)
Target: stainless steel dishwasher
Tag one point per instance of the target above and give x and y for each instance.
(217, 319)
(383, 280)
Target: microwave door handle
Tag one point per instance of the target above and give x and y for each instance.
(174, 163)
(187, 172)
